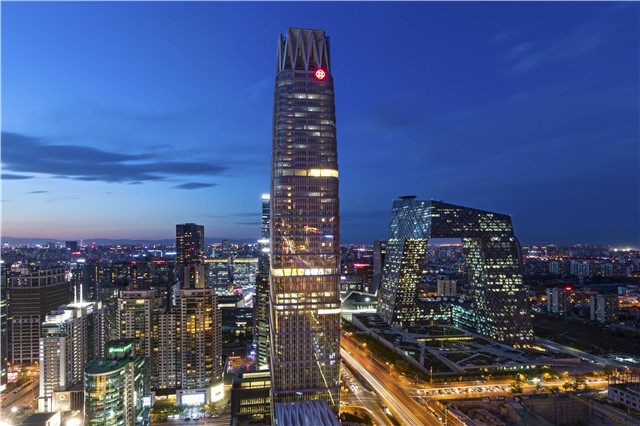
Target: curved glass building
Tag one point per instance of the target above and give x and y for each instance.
(305, 225)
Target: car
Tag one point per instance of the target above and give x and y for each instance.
(501, 398)
(485, 399)
(525, 397)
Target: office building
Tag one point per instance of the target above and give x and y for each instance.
(379, 253)
(261, 298)
(116, 387)
(200, 341)
(33, 296)
(558, 300)
(305, 224)
(71, 246)
(189, 247)
(554, 267)
(250, 402)
(446, 288)
(261, 321)
(4, 329)
(138, 312)
(194, 276)
(265, 222)
(71, 336)
(493, 265)
(219, 276)
(605, 308)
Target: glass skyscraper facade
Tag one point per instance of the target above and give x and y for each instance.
(305, 223)
(501, 310)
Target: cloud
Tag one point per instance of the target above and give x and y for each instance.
(28, 154)
(38, 192)
(195, 185)
(9, 176)
(526, 56)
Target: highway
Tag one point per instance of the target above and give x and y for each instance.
(396, 397)
(23, 402)
(363, 398)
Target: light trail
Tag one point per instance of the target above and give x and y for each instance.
(399, 409)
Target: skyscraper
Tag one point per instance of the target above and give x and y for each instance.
(71, 336)
(494, 269)
(266, 217)
(305, 224)
(189, 247)
(138, 313)
(261, 301)
(33, 296)
(200, 342)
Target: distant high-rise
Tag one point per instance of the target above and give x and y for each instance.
(189, 246)
(305, 224)
(446, 287)
(558, 300)
(71, 336)
(33, 296)
(71, 245)
(379, 253)
(605, 308)
(266, 216)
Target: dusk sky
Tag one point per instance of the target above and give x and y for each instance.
(120, 120)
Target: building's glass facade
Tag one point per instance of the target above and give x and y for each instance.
(492, 260)
(115, 390)
(305, 240)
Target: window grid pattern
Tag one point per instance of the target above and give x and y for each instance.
(501, 311)
(305, 242)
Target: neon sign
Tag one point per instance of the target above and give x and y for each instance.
(320, 74)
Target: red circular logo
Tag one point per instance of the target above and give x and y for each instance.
(320, 74)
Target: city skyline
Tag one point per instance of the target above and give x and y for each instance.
(533, 115)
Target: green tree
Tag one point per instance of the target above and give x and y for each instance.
(516, 387)
(567, 386)
(538, 387)
(609, 370)
(554, 389)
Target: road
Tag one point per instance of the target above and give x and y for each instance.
(597, 359)
(404, 408)
(22, 401)
(363, 398)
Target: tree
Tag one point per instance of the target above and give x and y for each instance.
(567, 386)
(554, 389)
(578, 382)
(516, 387)
(609, 370)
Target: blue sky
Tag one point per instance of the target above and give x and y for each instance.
(120, 120)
